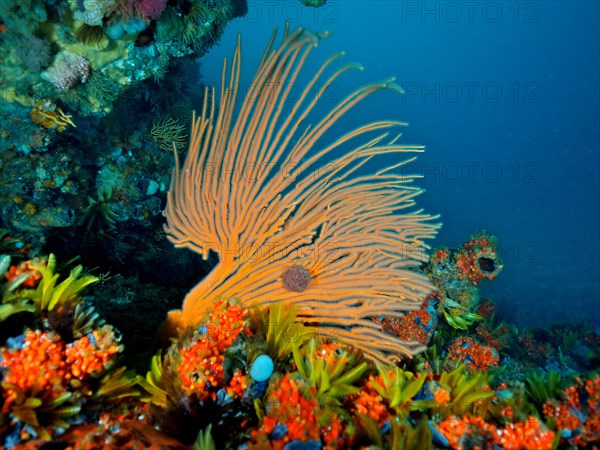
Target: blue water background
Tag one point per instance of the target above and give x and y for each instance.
(505, 96)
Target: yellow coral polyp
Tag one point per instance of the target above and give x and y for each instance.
(49, 115)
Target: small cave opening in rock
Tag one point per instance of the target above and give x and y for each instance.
(486, 264)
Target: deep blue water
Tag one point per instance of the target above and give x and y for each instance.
(505, 96)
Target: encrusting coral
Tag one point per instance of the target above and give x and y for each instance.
(268, 192)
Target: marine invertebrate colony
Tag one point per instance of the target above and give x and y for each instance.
(269, 192)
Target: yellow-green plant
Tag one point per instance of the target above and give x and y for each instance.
(332, 378)
(48, 294)
(42, 415)
(92, 36)
(458, 315)
(398, 388)
(117, 385)
(98, 219)
(461, 320)
(8, 307)
(159, 384)
(282, 331)
(371, 429)
(8, 243)
(401, 436)
(465, 389)
(205, 441)
(541, 388)
(434, 359)
(405, 437)
(14, 307)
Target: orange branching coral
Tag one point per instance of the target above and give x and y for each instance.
(227, 321)
(46, 113)
(237, 385)
(441, 396)
(454, 429)
(288, 214)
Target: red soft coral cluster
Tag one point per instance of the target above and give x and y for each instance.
(416, 325)
(478, 259)
(16, 271)
(201, 368)
(472, 354)
(578, 415)
(293, 414)
(527, 435)
(91, 354)
(45, 367)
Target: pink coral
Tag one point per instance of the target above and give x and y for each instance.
(150, 9)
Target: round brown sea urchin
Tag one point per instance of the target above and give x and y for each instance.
(296, 278)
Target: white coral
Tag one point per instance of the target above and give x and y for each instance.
(91, 12)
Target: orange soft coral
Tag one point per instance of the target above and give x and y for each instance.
(36, 369)
(474, 355)
(527, 435)
(92, 354)
(16, 271)
(479, 260)
(201, 370)
(578, 414)
(291, 415)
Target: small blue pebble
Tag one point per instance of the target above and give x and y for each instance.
(258, 389)
(279, 431)
(262, 368)
(299, 445)
(438, 438)
(134, 26)
(16, 343)
(386, 427)
(115, 31)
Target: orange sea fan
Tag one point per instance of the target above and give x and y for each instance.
(261, 188)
